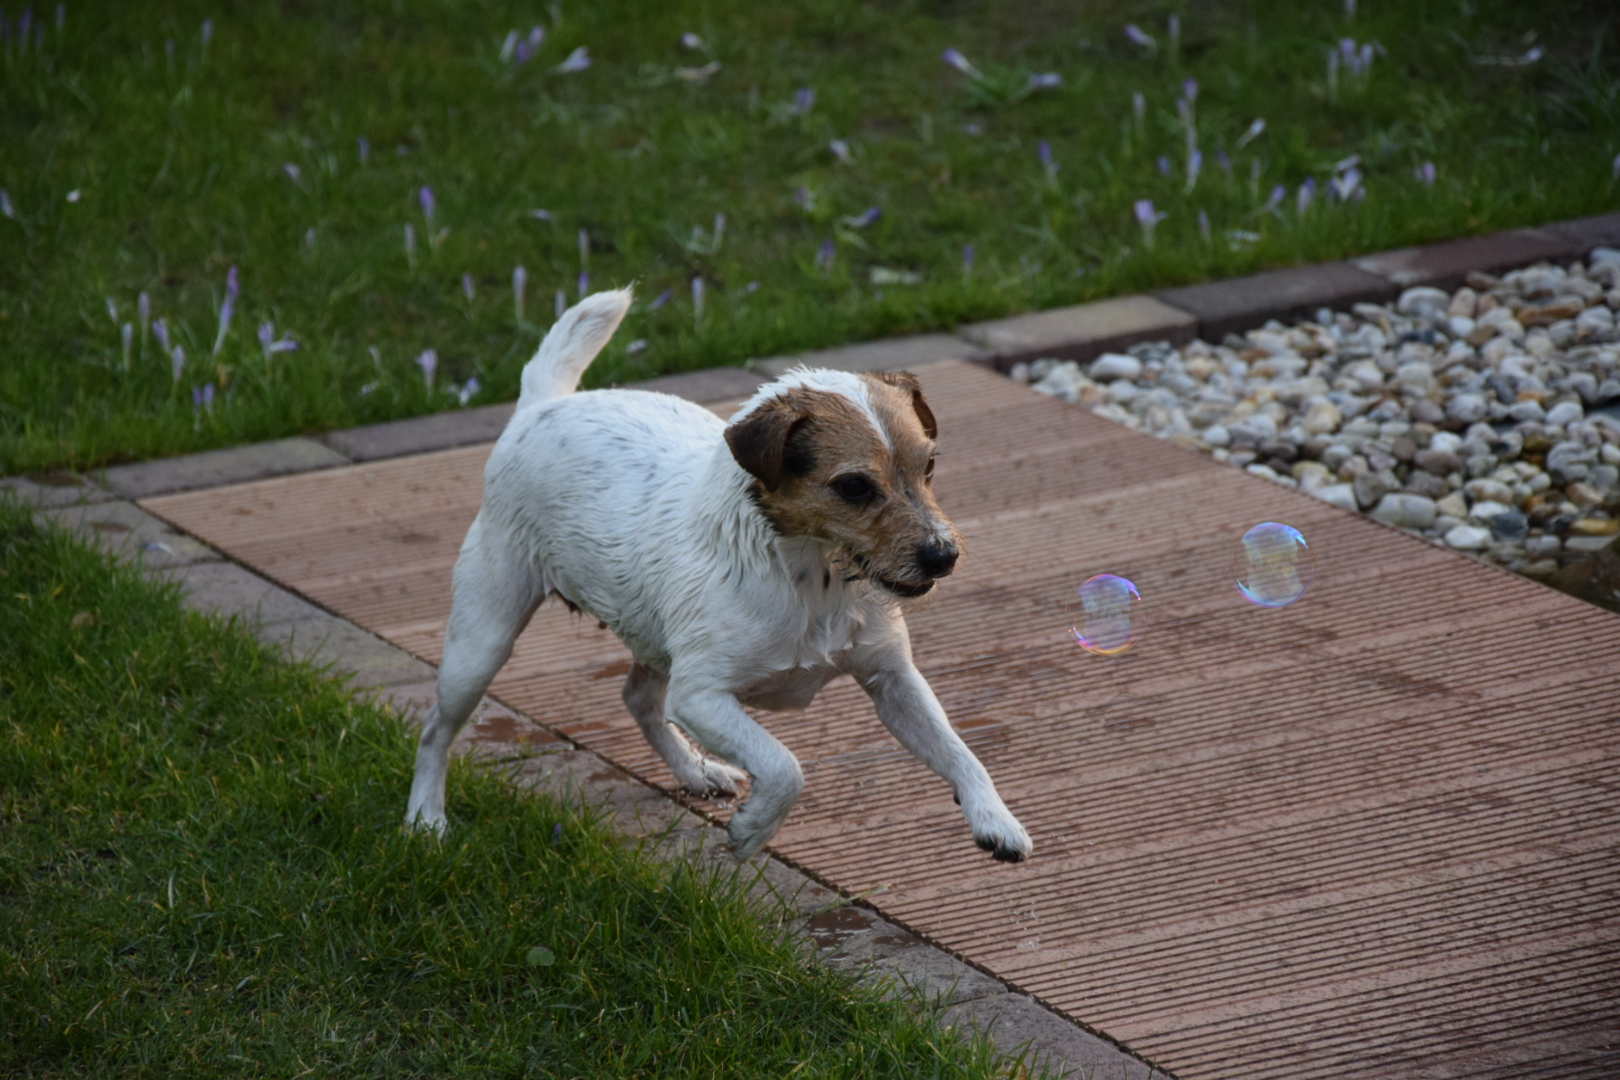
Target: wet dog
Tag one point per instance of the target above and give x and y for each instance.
(746, 563)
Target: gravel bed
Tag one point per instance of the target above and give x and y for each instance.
(1486, 419)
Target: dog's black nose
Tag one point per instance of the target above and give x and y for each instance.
(937, 558)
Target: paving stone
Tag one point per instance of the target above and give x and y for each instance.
(1446, 264)
(53, 489)
(362, 659)
(855, 937)
(228, 589)
(888, 354)
(1018, 1024)
(421, 434)
(1243, 303)
(705, 387)
(1082, 332)
(580, 777)
(216, 467)
(130, 534)
(493, 731)
(1600, 230)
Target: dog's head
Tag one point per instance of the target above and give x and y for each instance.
(849, 460)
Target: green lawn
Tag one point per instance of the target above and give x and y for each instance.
(147, 149)
(202, 874)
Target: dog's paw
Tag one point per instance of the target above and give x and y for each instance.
(1006, 840)
(748, 837)
(713, 779)
(427, 826)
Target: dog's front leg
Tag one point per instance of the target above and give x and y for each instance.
(908, 708)
(720, 725)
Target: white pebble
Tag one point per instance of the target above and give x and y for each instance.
(1468, 538)
(1115, 366)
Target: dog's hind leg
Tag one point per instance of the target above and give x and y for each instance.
(644, 696)
(720, 725)
(495, 593)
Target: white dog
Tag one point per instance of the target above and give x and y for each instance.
(746, 564)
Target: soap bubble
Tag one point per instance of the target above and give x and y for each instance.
(1273, 565)
(1112, 615)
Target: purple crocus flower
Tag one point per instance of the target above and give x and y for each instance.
(1138, 37)
(865, 218)
(1045, 80)
(824, 254)
(584, 283)
(24, 24)
(752, 287)
(520, 281)
(1195, 165)
(540, 215)
(521, 52)
(1173, 27)
(196, 400)
(1043, 150)
(560, 305)
(5, 204)
(699, 291)
(1148, 218)
(1614, 171)
(690, 40)
(469, 391)
(955, 58)
(1252, 134)
(578, 60)
(429, 363)
(61, 16)
(208, 397)
(661, 299)
(1189, 90)
(143, 307)
(207, 32)
(363, 146)
(1138, 109)
(177, 361)
(127, 335)
(967, 259)
(840, 150)
(112, 310)
(1345, 186)
(536, 38)
(410, 244)
(803, 100)
(1164, 165)
(468, 289)
(1278, 194)
(269, 343)
(291, 170)
(160, 330)
(429, 204)
(584, 247)
(801, 197)
(1224, 160)
(1305, 195)
(1203, 226)
(232, 289)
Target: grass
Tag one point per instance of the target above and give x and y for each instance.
(141, 156)
(202, 874)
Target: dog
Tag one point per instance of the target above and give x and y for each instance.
(742, 564)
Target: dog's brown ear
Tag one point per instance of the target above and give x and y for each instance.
(905, 380)
(759, 441)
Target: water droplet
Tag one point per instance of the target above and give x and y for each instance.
(1112, 615)
(1273, 565)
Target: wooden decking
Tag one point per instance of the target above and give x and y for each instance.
(1375, 834)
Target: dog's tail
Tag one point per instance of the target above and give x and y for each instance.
(571, 345)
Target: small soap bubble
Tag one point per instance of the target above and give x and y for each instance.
(1111, 616)
(1272, 565)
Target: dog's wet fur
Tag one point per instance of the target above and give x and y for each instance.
(742, 564)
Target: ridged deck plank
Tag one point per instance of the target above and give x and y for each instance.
(1373, 834)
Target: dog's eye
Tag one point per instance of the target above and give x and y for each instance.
(928, 470)
(855, 489)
